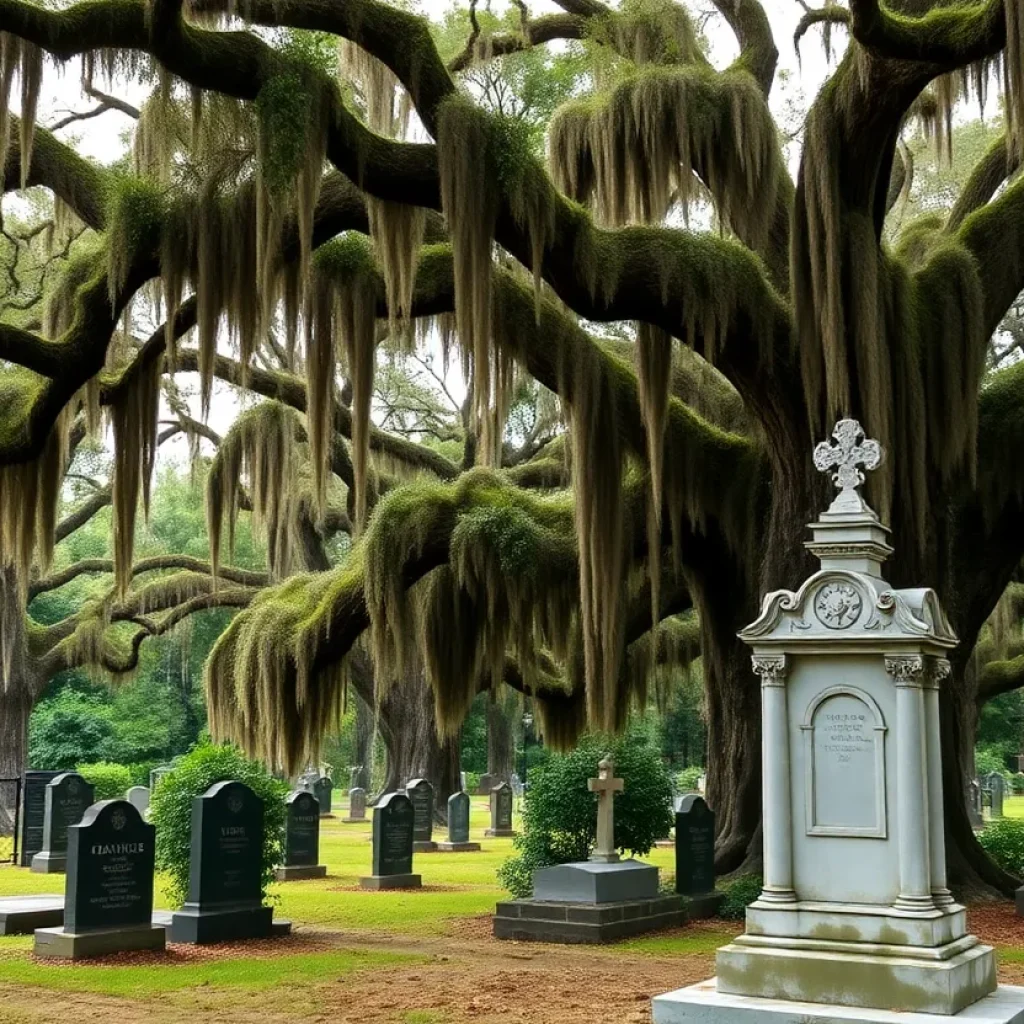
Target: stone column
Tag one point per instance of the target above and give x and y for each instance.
(777, 821)
(907, 672)
(939, 670)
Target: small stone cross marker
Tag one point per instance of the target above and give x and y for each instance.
(605, 786)
(851, 450)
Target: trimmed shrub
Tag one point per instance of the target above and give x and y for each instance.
(110, 780)
(688, 778)
(1003, 841)
(559, 823)
(739, 892)
(171, 810)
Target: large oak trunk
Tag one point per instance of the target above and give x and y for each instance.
(501, 751)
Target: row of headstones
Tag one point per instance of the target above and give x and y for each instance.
(110, 856)
(990, 791)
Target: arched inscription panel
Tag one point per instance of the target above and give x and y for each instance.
(844, 746)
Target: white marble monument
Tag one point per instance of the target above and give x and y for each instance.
(855, 920)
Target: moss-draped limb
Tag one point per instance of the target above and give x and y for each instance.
(537, 31)
(995, 237)
(238, 64)
(997, 164)
(758, 53)
(949, 35)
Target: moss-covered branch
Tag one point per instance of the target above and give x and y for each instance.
(999, 162)
(758, 53)
(949, 35)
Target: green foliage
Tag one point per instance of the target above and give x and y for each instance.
(687, 778)
(69, 729)
(739, 892)
(1003, 841)
(1017, 783)
(560, 817)
(193, 775)
(989, 759)
(110, 780)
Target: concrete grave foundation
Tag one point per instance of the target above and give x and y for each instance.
(300, 872)
(57, 944)
(22, 915)
(542, 921)
(382, 882)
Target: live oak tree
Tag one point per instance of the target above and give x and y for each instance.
(256, 177)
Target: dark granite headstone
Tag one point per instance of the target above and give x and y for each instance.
(695, 847)
(421, 793)
(997, 793)
(33, 812)
(109, 895)
(68, 797)
(225, 870)
(458, 818)
(501, 811)
(393, 827)
(301, 839)
(487, 783)
(356, 804)
(322, 790)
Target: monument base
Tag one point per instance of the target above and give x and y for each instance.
(195, 926)
(549, 921)
(447, 847)
(702, 905)
(704, 1004)
(914, 979)
(50, 864)
(356, 821)
(22, 915)
(500, 833)
(380, 882)
(300, 872)
(57, 944)
(594, 882)
(424, 846)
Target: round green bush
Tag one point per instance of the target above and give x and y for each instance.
(193, 774)
(559, 823)
(739, 892)
(111, 781)
(1003, 841)
(687, 779)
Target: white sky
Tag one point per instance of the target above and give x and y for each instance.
(103, 138)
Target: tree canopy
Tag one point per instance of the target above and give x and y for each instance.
(313, 185)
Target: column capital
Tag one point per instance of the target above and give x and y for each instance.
(771, 668)
(906, 669)
(938, 669)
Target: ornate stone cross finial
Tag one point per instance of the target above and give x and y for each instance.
(851, 450)
(605, 786)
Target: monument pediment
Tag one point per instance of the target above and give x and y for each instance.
(843, 605)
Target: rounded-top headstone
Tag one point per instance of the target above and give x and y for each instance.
(421, 793)
(393, 826)
(695, 846)
(110, 869)
(322, 790)
(458, 818)
(302, 830)
(501, 807)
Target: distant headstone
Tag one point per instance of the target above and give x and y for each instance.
(68, 797)
(1020, 762)
(517, 785)
(458, 826)
(695, 856)
(322, 790)
(462, 780)
(393, 825)
(358, 777)
(702, 783)
(501, 811)
(138, 797)
(157, 774)
(487, 783)
(109, 893)
(307, 780)
(356, 805)
(225, 899)
(33, 812)
(301, 839)
(421, 793)
(974, 804)
(997, 793)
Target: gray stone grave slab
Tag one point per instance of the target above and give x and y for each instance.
(974, 801)
(22, 915)
(501, 812)
(138, 797)
(592, 882)
(301, 839)
(108, 903)
(68, 797)
(421, 793)
(458, 826)
(393, 828)
(997, 793)
(486, 784)
(695, 856)
(33, 813)
(323, 790)
(356, 806)
(225, 871)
